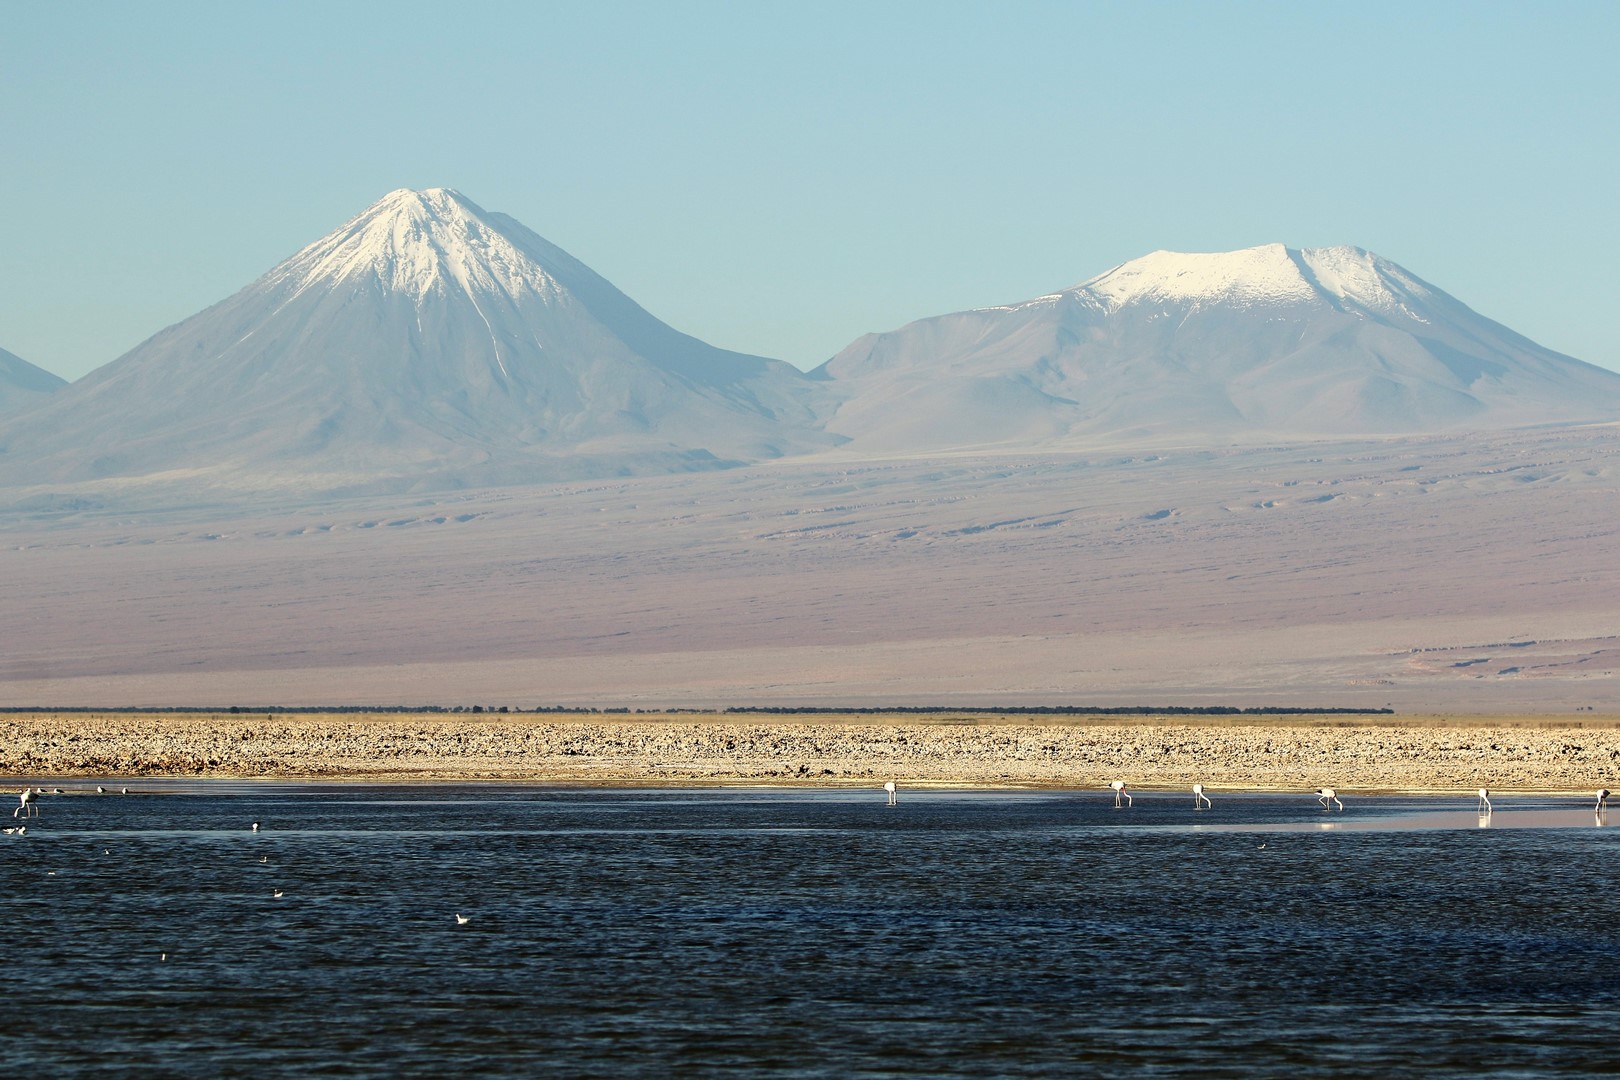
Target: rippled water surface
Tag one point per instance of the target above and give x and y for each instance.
(795, 933)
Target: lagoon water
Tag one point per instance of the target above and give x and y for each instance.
(805, 934)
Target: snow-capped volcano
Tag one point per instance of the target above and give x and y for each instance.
(424, 341)
(1264, 341)
(22, 384)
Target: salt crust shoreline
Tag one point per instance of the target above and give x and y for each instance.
(1419, 754)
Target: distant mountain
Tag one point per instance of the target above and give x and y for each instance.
(1188, 347)
(22, 385)
(425, 342)
(428, 343)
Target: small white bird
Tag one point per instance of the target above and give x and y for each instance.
(125, 791)
(264, 858)
(1200, 800)
(1326, 795)
(276, 895)
(889, 786)
(1484, 800)
(462, 920)
(100, 790)
(254, 826)
(1121, 793)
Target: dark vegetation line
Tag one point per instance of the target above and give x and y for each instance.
(765, 710)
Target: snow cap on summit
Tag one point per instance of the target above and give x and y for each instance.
(1269, 274)
(414, 240)
(1255, 274)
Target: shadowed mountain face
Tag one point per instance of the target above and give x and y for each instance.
(429, 342)
(1264, 342)
(22, 385)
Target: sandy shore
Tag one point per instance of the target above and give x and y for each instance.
(1275, 753)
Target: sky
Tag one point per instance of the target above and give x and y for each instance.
(779, 179)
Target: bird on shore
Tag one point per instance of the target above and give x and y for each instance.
(1327, 796)
(100, 790)
(1484, 800)
(1121, 793)
(462, 920)
(1603, 800)
(889, 786)
(1200, 800)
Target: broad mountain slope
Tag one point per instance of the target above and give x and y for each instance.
(426, 342)
(1268, 341)
(22, 385)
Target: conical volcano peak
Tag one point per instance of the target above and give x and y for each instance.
(414, 242)
(423, 341)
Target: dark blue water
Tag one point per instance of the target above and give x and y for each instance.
(790, 933)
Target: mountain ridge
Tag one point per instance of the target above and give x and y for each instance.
(23, 384)
(428, 343)
(1263, 342)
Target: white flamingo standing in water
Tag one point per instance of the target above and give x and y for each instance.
(1200, 800)
(1602, 803)
(26, 806)
(1120, 792)
(1484, 800)
(1326, 796)
(888, 786)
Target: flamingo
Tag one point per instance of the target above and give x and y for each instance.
(1200, 800)
(888, 785)
(1484, 800)
(26, 806)
(1119, 791)
(1603, 800)
(1326, 795)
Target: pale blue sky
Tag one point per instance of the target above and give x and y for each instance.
(780, 178)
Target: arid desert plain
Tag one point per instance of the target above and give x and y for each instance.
(1468, 573)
